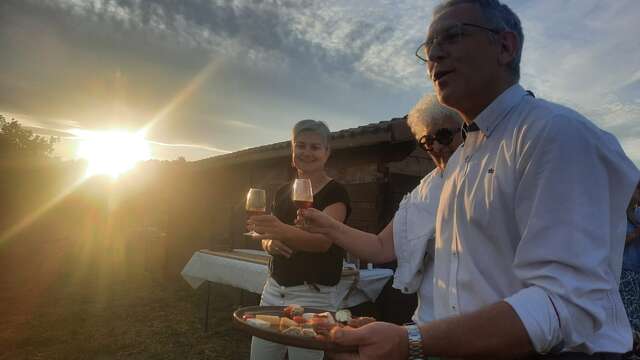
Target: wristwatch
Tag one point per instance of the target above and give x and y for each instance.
(415, 343)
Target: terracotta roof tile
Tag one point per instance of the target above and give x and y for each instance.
(394, 130)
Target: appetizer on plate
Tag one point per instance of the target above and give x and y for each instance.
(298, 323)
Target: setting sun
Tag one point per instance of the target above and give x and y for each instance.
(112, 152)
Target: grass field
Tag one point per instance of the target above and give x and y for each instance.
(66, 299)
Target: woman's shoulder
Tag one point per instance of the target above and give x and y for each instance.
(333, 192)
(333, 186)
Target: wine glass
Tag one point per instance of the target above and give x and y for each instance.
(256, 205)
(302, 194)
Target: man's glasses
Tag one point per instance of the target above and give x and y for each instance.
(446, 37)
(444, 136)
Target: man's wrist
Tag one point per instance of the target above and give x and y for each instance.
(414, 339)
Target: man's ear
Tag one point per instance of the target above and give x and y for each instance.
(508, 41)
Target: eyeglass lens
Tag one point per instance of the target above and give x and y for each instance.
(444, 37)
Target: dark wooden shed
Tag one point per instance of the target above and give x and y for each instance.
(378, 163)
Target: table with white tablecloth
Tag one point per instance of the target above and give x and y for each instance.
(248, 270)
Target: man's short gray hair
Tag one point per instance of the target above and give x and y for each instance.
(498, 16)
(429, 113)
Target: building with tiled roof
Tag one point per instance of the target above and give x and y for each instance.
(378, 163)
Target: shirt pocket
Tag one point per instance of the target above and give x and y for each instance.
(480, 193)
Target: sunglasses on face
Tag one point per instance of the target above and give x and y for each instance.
(444, 136)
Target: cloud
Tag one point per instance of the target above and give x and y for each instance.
(118, 63)
(580, 53)
(241, 124)
(192, 146)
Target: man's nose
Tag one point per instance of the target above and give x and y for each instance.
(435, 52)
(436, 147)
(434, 55)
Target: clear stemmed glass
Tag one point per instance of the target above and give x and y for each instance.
(256, 205)
(302, 194)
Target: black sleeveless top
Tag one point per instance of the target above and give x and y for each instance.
(311, 267)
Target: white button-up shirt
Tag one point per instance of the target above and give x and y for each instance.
(413, 237)
(533, 212)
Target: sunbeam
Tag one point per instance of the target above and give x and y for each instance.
(31, 218)
(183, 94)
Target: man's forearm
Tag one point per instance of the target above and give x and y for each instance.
(494, 332)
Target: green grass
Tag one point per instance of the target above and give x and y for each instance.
(62, 301)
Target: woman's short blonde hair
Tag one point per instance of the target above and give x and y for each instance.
(429, 113)
(316, 126)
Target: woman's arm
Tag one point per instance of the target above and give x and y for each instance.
(270, 227)
(275, 247)
(370, 247)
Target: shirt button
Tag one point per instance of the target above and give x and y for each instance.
(467, 158)
(453, 307)
(282, 295)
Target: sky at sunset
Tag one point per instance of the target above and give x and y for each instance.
(206, 77)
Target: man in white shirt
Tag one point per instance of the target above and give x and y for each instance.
(531, 221)
(409, 237)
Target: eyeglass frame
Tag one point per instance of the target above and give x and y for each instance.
(436, 41)
(426, 141)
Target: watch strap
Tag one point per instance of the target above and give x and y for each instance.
(415, 343)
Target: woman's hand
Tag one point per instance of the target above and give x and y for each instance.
(275, 247)
(269, 227)
(316, 221)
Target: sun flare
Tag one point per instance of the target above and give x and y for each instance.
(112, 152)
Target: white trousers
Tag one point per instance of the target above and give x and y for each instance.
(321, 297)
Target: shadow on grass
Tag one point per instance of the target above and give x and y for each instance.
(63, 302)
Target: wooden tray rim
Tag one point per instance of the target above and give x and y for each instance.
(274, 335)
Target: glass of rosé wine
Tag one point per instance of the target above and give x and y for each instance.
(302, 194)
(256, 205)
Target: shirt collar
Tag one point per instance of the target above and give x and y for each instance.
(466, 129)
(489, 118)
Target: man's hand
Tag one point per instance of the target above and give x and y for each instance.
(275, 247)
(378, 340)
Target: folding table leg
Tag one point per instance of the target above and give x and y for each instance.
(206, 309)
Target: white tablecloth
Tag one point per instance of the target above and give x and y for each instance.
(250, 276)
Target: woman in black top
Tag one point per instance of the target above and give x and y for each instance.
(305, 268)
